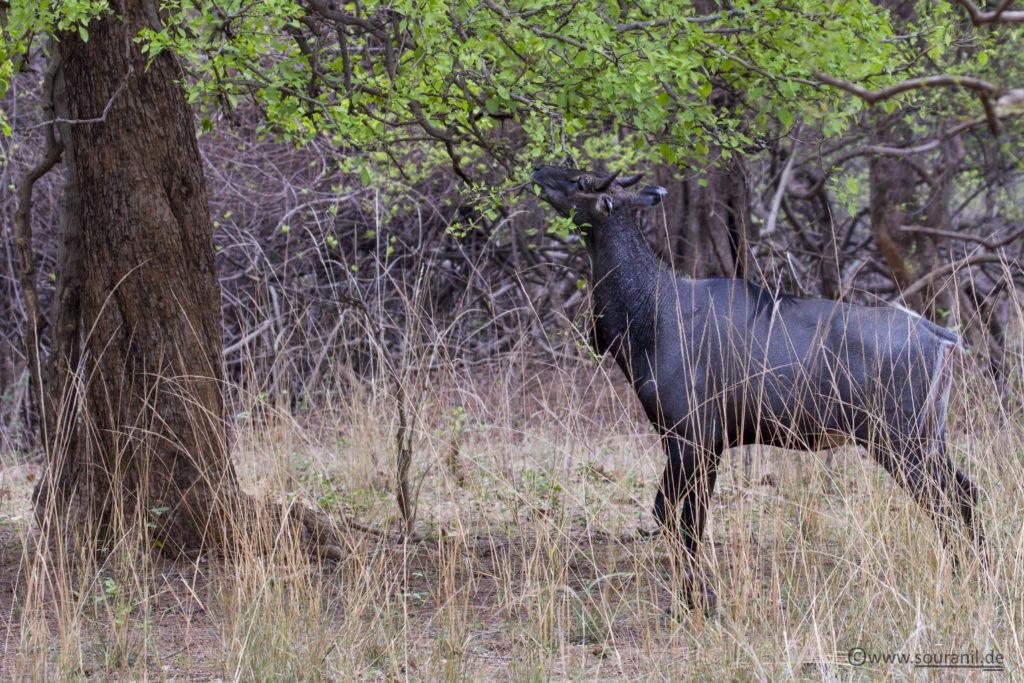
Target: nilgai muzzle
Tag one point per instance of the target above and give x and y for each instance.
(721, 362)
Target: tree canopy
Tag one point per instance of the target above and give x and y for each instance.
(512, 82)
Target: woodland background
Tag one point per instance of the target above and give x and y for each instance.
(352, 254)
(327, 212)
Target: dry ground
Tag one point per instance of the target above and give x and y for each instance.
(531, 485)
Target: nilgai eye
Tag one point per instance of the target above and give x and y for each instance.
(586, 183)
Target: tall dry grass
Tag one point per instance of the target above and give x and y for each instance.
(530, 484)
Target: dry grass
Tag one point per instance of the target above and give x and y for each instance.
(531, 484)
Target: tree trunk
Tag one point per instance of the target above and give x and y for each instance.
(709, 227)
(710, 231)
(151, 450)
(894, 204)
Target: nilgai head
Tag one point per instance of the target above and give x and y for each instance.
(590, 196)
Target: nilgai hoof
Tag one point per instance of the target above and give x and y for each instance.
(701, 597)
(644, 533)
(697, 595)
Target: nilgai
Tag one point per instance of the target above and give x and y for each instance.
(722, 362)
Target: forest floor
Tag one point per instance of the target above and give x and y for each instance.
(531, 485)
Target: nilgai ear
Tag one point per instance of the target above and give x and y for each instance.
(630, 179)
(604, 205)
(650, 195)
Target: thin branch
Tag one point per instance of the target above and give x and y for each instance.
(576, 44)
(985, 91)
(638, 25)
(952, 234)
(1001, 9)
(99, 119)
(441, 134)
(903, 154)
(941, 271)
(933, 143)
(892, 151)
(999, 16)
(327, 11)
(802, 233)
(711, 18)
(756, 69)
(773, 215)
(36, 321)
(941, 81)
(1007, 104)
(403, 444)
(668, 21)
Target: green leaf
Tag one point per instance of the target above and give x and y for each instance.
(785, 117)
(580, 88)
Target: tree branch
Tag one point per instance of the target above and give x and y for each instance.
(902, 153)
(35, 320)
(941, 81)
(326, 11)
(986, 91)
(966, 262)
(773, 214)
(753, 67)
(999, 16)
(952, 234)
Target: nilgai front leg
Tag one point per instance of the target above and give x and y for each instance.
(681, 507)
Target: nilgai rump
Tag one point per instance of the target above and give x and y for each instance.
(721, 362)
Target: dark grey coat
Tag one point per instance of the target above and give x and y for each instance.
(721, 362)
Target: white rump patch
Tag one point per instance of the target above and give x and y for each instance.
(936, 403)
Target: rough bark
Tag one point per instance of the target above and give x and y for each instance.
(152, 446)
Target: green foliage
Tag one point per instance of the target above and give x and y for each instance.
(491, 88)
(25, 21)
(523, 80)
